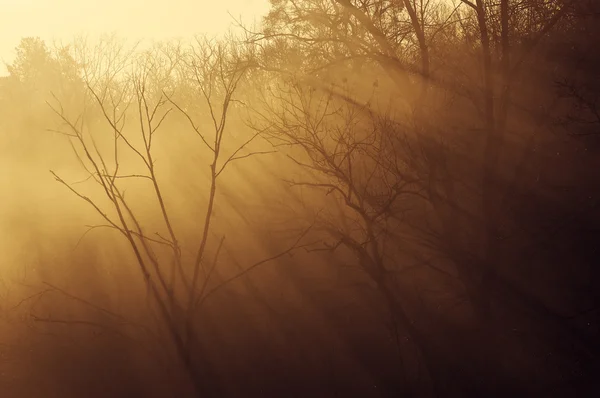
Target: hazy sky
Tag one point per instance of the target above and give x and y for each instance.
(155, 19)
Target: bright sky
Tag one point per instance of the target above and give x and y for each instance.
(135, 19)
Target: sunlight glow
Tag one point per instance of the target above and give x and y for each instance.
(132, 19)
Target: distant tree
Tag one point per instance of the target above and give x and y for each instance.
(37, 75)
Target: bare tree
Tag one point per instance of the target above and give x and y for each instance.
(359, 188)
(124, 85)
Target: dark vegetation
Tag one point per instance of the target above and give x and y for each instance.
(356, 198)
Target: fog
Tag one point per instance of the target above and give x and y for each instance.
(305, 198)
